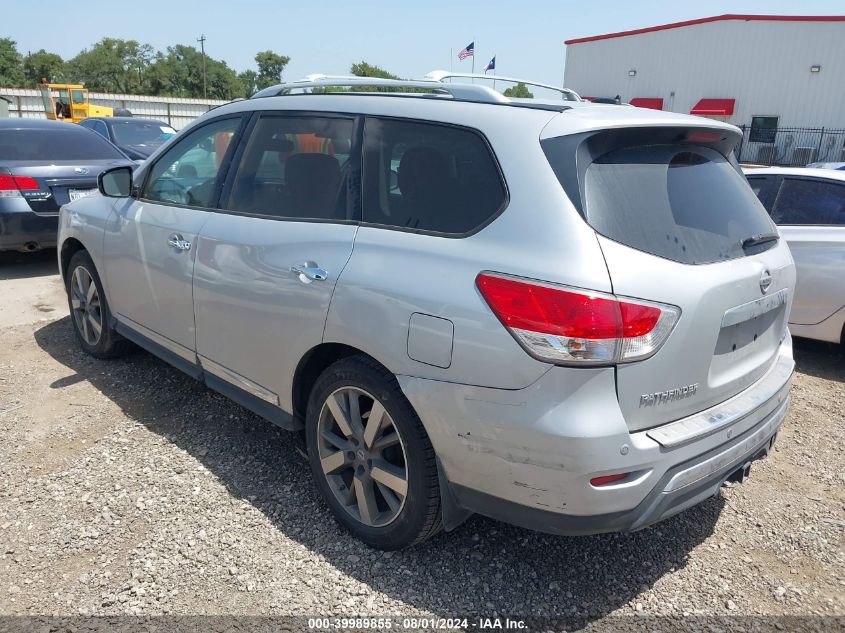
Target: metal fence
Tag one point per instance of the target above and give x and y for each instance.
(790, 146)
(26, 103)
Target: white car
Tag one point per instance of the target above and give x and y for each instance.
(808, 205)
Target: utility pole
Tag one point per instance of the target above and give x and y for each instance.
(201, 40)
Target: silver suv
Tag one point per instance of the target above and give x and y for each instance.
(566, 316)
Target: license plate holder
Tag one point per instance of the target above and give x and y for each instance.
(78, 194)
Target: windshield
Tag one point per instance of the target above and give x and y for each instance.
(141, 132)
(74, 143)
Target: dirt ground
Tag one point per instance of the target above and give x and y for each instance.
(128, 488)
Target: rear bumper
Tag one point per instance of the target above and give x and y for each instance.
(20, 226)
(527, 456)
(665, 499)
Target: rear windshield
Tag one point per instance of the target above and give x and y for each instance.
(682, 202)
(55, 144)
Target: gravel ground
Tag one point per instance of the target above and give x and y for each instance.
(128, 488)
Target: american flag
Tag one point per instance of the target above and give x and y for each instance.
(491, 65)
(469, 51)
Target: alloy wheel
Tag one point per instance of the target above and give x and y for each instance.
(362, 456)
(85, 303)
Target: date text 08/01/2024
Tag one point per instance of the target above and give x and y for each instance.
(434, 624)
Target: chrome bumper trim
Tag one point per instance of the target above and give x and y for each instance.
(746, 447)
(773, 388)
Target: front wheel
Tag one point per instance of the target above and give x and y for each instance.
(89, 309)
(371, 457)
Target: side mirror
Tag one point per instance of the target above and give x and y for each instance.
(115, 182)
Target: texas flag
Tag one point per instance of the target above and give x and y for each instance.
(491, 65)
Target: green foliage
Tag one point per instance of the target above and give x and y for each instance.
(179, 73)
(43, 65)
(363, 69)
(112, 65)
(519, 91)
(248, 79)
(11, 63)
(270, 68)
(131, 67)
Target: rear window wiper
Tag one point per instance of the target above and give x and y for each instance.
(762, 238)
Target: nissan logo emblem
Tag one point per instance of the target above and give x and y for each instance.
(765, 281)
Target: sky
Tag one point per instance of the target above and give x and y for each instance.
(405, 37)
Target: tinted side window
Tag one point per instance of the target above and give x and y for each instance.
(101, 129)
(763, 187)
(295, 167)
(188, 173)
(809, 202)
(429, 177)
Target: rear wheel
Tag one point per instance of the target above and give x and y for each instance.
(89, 309)
(370, 456)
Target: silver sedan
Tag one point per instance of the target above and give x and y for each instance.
(808, 205)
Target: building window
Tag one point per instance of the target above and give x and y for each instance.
(763, 129)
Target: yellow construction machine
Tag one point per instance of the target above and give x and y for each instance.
(69, 102)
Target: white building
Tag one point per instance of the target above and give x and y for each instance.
(768, 73)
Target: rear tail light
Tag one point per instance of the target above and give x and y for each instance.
(569, 326)
(11, 186)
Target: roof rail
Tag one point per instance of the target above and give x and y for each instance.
(441, 75)
(463, 92)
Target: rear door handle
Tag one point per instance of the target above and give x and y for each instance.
(178, 242)
(309, 271)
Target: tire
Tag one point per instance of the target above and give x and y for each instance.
(351, 461)
(90, 310)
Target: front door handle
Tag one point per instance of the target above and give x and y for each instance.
(309, 271)
(178, 242)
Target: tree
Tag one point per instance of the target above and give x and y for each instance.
(112, 65)
(270, 68)
(248, 79)
(519, 91)
(363, 69)
(179, 74)
(42, 65)
(11, 64)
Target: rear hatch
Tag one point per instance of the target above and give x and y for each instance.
(678, 224)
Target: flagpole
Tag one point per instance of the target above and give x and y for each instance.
(473, 57)
(451, 60)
